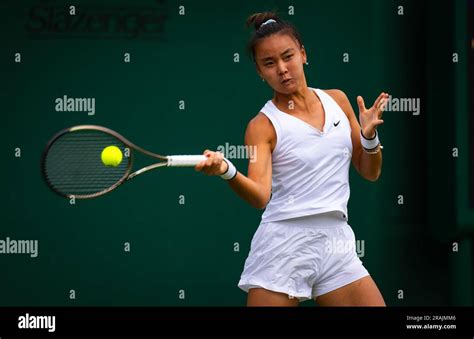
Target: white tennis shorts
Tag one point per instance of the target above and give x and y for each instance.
(303, 257)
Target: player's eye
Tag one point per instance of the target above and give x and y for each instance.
(288, 57)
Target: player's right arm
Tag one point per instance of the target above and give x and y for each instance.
(255, 188)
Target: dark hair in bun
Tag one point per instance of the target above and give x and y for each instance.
(262, 30)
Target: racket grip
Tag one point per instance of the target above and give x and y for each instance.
(185, 160)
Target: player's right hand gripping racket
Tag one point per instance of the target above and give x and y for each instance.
(72, 162)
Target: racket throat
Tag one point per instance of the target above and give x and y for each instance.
(146, 169)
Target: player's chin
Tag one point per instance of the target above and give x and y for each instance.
(288, 88)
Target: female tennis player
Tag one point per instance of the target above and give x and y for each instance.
(305, 140)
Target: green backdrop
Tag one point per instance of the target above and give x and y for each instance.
(192, 253)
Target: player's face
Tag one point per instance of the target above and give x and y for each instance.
(279, 57)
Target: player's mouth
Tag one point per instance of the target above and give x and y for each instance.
(286, 81)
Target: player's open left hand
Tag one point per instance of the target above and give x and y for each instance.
(372, 117)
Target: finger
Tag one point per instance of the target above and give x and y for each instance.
(216, 161)
(199, 166)
(377, 101)
(210, 159)
(378, 122)
(361, 104)
(382, 105)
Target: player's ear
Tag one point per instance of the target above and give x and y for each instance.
(303, 54)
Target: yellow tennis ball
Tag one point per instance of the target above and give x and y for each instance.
(111, 156)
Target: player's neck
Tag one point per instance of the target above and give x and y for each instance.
(300, 101)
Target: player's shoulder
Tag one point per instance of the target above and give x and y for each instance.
(338, 95)
(260, 122)
(260, 126)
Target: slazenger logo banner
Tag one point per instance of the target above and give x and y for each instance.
(47, 19)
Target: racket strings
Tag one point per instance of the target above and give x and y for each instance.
(73, 165)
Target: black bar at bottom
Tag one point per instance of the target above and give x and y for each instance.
(190, 321)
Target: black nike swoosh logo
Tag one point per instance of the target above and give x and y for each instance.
(337, 123)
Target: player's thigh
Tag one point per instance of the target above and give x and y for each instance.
(362, 292)
(264, 297)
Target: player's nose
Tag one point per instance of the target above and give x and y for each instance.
(281, 68)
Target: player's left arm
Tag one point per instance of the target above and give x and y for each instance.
(369, 166)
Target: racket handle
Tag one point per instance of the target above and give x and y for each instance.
(185, 160)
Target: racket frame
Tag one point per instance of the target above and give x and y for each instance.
(127, 175)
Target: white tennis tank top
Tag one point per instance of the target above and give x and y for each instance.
(310, 168)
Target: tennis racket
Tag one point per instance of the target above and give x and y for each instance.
(72, 166)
